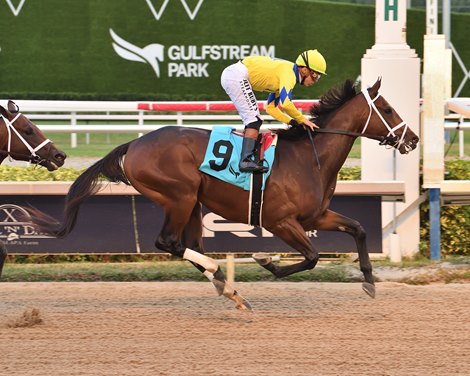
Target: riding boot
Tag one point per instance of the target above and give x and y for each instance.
(248, 161)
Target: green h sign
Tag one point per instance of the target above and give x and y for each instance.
(391, 6)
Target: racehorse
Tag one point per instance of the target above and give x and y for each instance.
(163, 166)
(22, 140)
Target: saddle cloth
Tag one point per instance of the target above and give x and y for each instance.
(223, 155)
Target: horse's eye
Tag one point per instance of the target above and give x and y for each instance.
(29, 131)
(388, 111)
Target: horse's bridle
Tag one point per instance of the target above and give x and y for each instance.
(9, 125)
(390, 139)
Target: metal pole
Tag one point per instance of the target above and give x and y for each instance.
(141, 122)
(230, 268)
(461, 143)
(73, 136)
(446, 21)
(431, 17)
(395, 247)
(435, 223)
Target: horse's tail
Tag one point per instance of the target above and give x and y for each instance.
(84, 186)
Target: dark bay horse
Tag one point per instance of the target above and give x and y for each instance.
(163, 166)
(22, 140)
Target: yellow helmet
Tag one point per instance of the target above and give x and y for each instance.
(313, 60)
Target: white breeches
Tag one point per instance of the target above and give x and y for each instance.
(235, 82)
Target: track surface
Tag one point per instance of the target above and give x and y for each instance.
(167, 328)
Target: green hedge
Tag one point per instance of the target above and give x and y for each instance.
(455, 220)
(10, 173)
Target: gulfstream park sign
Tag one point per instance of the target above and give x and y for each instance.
(184, 60)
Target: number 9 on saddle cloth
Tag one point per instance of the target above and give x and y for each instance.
(222, 162)
(223, 155)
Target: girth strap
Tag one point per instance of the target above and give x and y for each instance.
(256, 195)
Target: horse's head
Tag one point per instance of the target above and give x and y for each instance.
(22, 140)
(384, 122)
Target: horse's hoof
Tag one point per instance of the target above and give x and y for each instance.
(369, 289)
(262, 259)
(245, 306)
(241, 303)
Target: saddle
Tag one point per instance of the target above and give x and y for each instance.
(222, 158)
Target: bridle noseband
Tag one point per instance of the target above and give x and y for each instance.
(9, 125)
(391, 138)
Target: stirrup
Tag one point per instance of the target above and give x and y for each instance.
(248, 165)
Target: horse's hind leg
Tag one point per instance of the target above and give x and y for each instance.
(332, 221)
(192, 232)
(3, 256)
(192, 241)
(181, 223)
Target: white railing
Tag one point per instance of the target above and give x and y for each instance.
(138, 117)
(455, 121)
(142, 117)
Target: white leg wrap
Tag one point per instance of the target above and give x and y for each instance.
(206, 262)
(209, 275)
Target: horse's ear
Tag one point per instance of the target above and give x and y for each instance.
(13, 107)
(374, 90)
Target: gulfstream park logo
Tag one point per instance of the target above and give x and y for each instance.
(191, 13)
(184, 60)
(15, 10)
(151, 54)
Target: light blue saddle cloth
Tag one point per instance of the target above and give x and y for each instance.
(223, 155)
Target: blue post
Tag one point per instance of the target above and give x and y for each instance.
(435, 223)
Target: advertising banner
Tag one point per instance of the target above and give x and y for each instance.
(131, 224)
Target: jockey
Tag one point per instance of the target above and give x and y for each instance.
(277, 77)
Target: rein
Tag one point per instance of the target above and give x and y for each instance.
(383, 140)
(351, 134)
(391, 139)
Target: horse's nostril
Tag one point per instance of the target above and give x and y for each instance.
(60, 156)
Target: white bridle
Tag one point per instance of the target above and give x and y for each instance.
(391, 131)
(10, 127)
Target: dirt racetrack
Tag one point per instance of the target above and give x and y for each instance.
(167, 328)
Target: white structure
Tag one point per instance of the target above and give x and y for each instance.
(437, 79)
(436, 89)
(392, 59)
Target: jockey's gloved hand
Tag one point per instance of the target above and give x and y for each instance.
(293, 123)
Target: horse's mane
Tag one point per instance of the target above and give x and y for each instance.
(329, 102)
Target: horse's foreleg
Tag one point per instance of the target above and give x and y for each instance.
(3, 256)
(291, 232)
(332, 221)
(283, 271)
